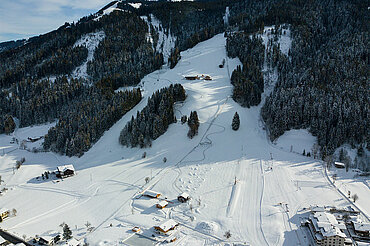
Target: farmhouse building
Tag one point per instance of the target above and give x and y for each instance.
(166, 226)
(65, 171)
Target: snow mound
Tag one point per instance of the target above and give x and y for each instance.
(207, 227)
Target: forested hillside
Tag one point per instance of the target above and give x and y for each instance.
(248, 79)
(322, 86)
(154, 119)
(189, 22)
(86, 118)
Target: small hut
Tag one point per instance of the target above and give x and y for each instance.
(207, 77)
(184, 197)
(162, 204)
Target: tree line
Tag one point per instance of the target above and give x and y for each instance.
(154, 119)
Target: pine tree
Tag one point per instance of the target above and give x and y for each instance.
(236, 122)
(67, 233)
(193, 124)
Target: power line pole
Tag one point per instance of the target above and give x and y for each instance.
(272, 160)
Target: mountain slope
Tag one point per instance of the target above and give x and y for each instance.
(109, 176)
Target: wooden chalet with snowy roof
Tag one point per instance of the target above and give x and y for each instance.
(65, 171)
(151, 194)
(162, 204)
(184, 197)
(166, 226)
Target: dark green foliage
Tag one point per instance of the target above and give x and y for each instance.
(7, 124)
(154, 119)
(125, 56)
(193, 124)
(248, 81)
(86, 119)
(190, 22)
(67, 233)
(174, 58)
(323, 86)
(236, 122)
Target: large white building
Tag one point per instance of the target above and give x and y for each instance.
(326, 230)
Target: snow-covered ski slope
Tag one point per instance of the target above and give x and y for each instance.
(110, 176)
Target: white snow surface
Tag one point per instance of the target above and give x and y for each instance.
(109, 10)
(110, 177)
(91, 42)
(135, 5)
(297, 141)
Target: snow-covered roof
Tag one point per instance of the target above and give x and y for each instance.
(163, 203)
(327, 224)
(341, 164)
(317, 208)
(359, 226)
(185, 195)
(151, 193)
(168, 224)
(135, 5)
(47, 238)
(65, 168)
(72, 242)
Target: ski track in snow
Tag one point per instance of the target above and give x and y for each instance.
(91, 42)
(166, 41)
(109, 176)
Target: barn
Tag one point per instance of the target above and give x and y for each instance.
(151, 194)
(65, 171)
(166, 226)
(192, 77)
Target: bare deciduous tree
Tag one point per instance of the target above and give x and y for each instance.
(227, 234)
(355, 197)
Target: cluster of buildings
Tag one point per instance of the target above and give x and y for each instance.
(165, 228)
(330, 226)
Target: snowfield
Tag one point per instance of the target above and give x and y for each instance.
(238, 181)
